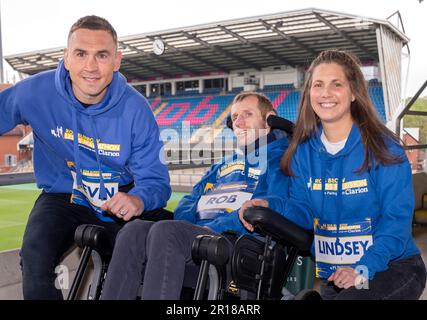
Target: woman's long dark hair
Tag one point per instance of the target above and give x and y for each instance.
(373, 131)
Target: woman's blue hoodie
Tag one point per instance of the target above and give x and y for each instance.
(362, 220)
(117, 137)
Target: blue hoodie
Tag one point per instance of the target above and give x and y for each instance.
(362, 220)
(217, 197)
(117, 137)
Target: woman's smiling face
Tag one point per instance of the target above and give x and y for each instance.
(330, 94)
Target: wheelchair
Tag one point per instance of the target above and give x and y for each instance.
(255, 269)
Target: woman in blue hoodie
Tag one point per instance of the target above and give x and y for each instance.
(352, 184)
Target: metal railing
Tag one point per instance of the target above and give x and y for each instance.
(421, 164)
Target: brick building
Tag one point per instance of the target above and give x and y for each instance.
(11, 156)
(410, 138)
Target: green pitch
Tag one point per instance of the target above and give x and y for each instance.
(15, 205)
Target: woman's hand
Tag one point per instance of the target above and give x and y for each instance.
(248, 204)
(346, 277)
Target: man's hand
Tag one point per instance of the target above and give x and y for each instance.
(346, 277)
(248, 204)
(124, 206)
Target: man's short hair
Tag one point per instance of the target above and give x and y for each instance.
(264, 103)
(93, 23)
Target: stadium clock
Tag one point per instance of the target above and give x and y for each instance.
(158, 47)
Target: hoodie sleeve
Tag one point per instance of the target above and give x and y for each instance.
(227, 222)
(393, 229)
(10, 113)
(151, 176)
(187, 207)
(295, 205)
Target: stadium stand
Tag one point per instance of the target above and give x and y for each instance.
(206, 113)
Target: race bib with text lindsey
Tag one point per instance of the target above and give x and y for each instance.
(346, 248)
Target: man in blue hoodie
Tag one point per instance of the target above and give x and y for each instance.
(160, 253)
(96, 150)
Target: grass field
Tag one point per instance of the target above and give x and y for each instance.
(15, 205)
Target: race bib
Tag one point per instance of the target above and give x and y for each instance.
(88, 194)
(90, 191)
(229, 201)
(353, 241)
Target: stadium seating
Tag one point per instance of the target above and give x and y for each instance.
(209, 109)
(197, 110)
(377, 97)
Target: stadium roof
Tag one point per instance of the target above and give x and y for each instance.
(289, 38)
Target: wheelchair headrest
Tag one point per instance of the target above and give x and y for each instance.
(275, 122)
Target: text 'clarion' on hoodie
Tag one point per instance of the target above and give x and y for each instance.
(215, 200)
(118, 137)
(362, 220)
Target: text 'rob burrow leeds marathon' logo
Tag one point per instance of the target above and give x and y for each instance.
(104, 149)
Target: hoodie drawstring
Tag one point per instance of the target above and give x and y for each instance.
(339, 195)
(102, 190)
(76, 150)
(339, 189)
(323, 181)
(79, 179)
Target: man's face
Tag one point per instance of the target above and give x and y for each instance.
(91, 58)
(248, 122)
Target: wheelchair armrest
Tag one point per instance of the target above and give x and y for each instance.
(281, 229)
(94, 237)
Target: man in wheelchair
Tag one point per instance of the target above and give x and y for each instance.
(159, 254)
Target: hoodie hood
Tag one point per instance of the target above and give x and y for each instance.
(352, 141)
(275, 138)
